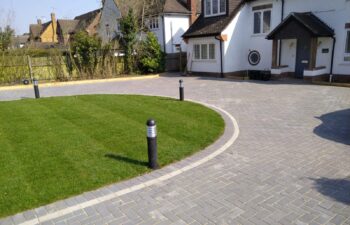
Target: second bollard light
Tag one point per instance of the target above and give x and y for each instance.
(36, 88)
(181, 90)
(152, 144)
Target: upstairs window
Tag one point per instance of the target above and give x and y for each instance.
(262, 19)
(153, 23)
(215, 7)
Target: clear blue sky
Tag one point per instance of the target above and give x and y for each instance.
(21, 13)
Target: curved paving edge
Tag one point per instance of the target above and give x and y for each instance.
(63, 207)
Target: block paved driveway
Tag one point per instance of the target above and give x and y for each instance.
(289, 165)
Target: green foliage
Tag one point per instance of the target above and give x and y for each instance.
(151, 56)
(6, 38)
(128, 38)
(85, 50)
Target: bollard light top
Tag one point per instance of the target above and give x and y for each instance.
(181, 81)
(151, 122)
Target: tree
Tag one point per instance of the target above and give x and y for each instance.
(128, 38)
(6, 37)
(85, 50)
(151, 56)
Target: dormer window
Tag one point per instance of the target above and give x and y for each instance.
(214, 7)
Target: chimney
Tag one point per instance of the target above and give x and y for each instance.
(192, 6)
(39, 22)
(54, 27)
(53, 17)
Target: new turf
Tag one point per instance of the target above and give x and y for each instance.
(53, 148)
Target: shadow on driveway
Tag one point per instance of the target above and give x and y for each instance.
(335, 126)
(337, 189)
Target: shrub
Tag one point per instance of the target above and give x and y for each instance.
(151, 56)
(85, 52)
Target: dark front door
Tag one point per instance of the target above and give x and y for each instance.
(303, 56)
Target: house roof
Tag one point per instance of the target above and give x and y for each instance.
(67, 26)
(309, 21)
(171, 6)
(86, 19)
(212, 26)
(37, 29)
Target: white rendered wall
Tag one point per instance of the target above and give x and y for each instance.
(289, 51)
(175, 27)
(159, 31)
(208, 66)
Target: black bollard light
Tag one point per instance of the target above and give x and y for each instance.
(181, 90)
(152, 144)
(36, 88)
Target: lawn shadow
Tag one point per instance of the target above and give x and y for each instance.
(126, 159)
(337, 189)
(335, 126)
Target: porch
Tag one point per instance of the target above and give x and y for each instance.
(302, 46)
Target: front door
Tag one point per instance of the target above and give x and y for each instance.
(302, 57)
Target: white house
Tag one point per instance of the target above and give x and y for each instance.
(307, 39)
(169, 21)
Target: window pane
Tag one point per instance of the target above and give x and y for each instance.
(347, 50)
(207, 7)
(204, 51)
(222, 6)
(196, 51)
(212, 51)
(267, 21)
(257, 23)
(215, 6)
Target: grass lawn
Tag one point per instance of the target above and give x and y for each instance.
(53, 148)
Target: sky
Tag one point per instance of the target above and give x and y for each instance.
(20, 13)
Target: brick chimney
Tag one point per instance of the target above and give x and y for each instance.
(54, 27)
(39, 22)
(192, 6)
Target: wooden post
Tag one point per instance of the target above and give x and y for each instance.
(274, 52)
(313, 53)
(30, 68)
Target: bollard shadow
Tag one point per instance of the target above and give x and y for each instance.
(126, 159)
(337, 189)
(335, 126)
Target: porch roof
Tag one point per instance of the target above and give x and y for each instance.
(309, 21)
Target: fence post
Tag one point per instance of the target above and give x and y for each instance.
(30, 68)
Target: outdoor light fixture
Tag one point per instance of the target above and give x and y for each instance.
(181, 90)
(36, 88)
(152, 143)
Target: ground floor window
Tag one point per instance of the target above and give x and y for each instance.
(204, 51)
(347, 47)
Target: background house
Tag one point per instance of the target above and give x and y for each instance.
(65, 30)
(44, 32)
(231, 38)
(169, 20)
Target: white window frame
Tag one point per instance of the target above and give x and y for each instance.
(153, 23)
(207, 58)
(347, 39)
(262, 11)
(219, 13)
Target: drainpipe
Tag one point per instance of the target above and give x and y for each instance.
(221, 63)
(280, 49)
(163, 20)
(332, 60)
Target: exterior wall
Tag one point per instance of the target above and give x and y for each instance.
(336, 14)
(159, 33)
(241, 39)
(208, 66)
(49, 35)
(175, 27)
(110, 16)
